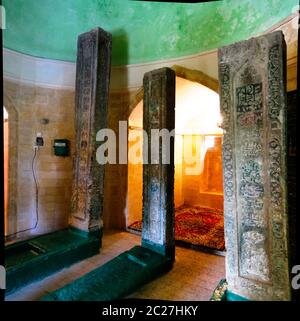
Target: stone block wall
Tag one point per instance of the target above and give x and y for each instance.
(54, 174)
(31, 104)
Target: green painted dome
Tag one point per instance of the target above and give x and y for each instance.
(142, 31)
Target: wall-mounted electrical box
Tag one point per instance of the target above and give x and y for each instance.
(61, 147)
(39, 141)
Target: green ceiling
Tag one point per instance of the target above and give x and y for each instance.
(142, 31)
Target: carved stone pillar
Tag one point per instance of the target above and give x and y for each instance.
(91, 100)
(253, 104)
(158, 179)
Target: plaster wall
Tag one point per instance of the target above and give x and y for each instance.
(183, 29)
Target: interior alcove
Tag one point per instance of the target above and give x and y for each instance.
(198, 151)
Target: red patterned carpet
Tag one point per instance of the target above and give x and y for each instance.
(197, 225)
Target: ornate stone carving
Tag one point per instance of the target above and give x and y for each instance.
(158, 179)
(253, 109)
(92, 89)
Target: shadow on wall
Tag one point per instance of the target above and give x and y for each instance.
(11, 196)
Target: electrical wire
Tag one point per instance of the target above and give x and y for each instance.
(36, 197)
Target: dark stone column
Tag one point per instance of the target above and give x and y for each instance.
(253, 103)
(158, 179)
(91, 100)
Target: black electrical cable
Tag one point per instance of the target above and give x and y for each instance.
(36, 198)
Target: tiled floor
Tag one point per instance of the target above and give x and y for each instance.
(193, 278)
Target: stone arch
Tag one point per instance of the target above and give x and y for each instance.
(12, 163)
(182, 72)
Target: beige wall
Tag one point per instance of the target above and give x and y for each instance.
(134, 190)
(204, 187)
(115, 185)
(178, 181)
(135, 184)
(54, 174)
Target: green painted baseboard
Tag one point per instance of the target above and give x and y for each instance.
(230, 296)
(115, 279)
(37, 258)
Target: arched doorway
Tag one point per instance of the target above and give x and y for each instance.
(198, 190)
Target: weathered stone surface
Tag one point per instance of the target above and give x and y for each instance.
(92, 89)
(115, 279)
(219, 293)
(34, 259)
(291, 177)
(252, 79)
(158, 179)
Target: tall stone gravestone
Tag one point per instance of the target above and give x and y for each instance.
(292, 179)
(91, 100)
(158, 178)
(253, 104)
